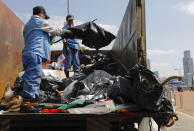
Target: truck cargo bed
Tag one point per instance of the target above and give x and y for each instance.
(59, 121)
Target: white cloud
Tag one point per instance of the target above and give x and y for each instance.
(165, 69)
(187, 8)
(111, 28)
(23, 16)
(59, 21)
(162, 52)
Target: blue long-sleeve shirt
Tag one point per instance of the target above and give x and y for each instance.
(36, 35)
(72, 43)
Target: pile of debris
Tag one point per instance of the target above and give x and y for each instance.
(103, 86)
(101, 89)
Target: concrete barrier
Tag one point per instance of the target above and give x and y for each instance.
(183, 100)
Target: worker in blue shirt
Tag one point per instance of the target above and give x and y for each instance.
(37, 42)
(71, 50)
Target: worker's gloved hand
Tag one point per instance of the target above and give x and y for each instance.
(68, 34)
(52, 39)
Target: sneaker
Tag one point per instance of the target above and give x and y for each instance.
(30, 109)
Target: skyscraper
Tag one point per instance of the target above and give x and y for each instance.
(188, 66)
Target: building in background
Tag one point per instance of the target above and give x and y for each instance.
(188, 67)
(189, 77)
(148, 64)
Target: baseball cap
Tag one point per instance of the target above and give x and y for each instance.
(39, 9)
(69, 17)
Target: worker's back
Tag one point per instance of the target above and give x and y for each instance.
(36, 41)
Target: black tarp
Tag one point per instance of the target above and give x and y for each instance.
(92, 35)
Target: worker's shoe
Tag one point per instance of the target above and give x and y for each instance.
(30, 105)
(67, 73)
(30, 102)
(30, 109)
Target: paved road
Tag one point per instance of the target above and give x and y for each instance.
(185, 122)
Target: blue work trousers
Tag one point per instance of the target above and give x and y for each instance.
(32, 64)
(71, 58)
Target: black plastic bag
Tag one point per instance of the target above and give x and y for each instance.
(120, 89)
(18, 85)
(49, 88)
(92, 35)
(86, 59)
(65, 82)
(141, 87)
(95, 85)
(52, 84)
(71, 92)
(99, 56)
(107, 64)
(48, 97)
(166, 106)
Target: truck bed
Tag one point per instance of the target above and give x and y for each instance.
(59, 121)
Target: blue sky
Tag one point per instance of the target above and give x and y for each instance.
(169, 24)
(170, 30)
(109, 15)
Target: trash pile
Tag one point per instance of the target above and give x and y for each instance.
(103, 86)
(101, 89)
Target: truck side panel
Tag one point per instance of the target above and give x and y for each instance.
(11, 45)
(141, 32)
(128, 46)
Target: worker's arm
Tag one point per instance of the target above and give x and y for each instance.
(46, 27)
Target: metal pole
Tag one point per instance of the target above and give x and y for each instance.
(68, 7)
(192, 81)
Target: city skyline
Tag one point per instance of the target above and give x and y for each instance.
(187, 64)
(188, 67)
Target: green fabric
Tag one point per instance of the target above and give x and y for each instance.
(72, 104)
(52, 40)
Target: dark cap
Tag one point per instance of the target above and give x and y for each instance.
(69, 17)
(39, 9)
